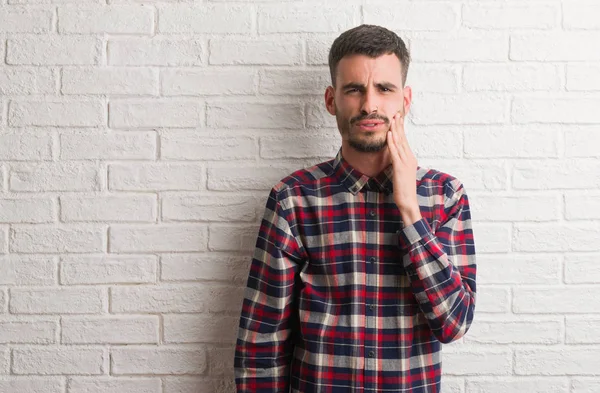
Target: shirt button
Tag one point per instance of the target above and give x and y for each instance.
(371, 354)
(372, 213)
(372, 259)
(371, 307)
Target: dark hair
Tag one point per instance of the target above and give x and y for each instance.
(369, 40)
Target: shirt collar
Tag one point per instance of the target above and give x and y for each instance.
(355, 181)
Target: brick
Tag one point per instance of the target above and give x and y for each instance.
(582, 269)
(554, 46)
(563, 361)
(581, 15)
(27, 331)
(582, 207)
(190, 82)
(517, 208)
(221, 361)
(436, 142)
(570, 109)
(31, 385)
(566, 174)
(306, 18)
(213, 266)
(476, 362)
(26, 80)
(55, 1)
(294, 82)
(267, 52)
(118, 81)
(304, 147)
(254, 115)
(583, 77)
(64, 113)
(546, 300)
(116, 330)
(413, 16)
(493, 331)
(511, 16)
(158, 238)
(155, 52)
(555, 237)
(127, 208)
(208, 208)
(48, 361)
(207, 19)
(580, 385)
(469, 108)
(157, 361)
(57, 239)
(114, 385)
(3, 303)
(200, 329)
(109, 146)
(317, 48)
(106, 19)
(433, 78)
(155, 113)
(184, 384)
(56, 50)
(512, 77)
(26, 147)
(194, 146)
(510, 384)
(582, 330)
(23, 20)
(159, 177)
(492, 237)
(108, 269)
(240, 178)
(57, 301)
(579, 141)
(511, 141)
(493, 300)
(318, 117)
(483, 47)
(55, 177)
(30, 210)
(176, 299)
(518, 269)
(232, 237)
(27, 270)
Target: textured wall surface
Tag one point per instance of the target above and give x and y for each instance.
(139, 139)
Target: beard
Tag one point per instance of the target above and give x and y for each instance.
(364, 142)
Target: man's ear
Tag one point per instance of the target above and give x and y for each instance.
(407, 99)
(330, 100)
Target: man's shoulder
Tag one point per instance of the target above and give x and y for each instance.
(437, 179)
(308, 177)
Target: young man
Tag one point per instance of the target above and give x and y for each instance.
(364, 264)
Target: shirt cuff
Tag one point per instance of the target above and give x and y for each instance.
(413, 233)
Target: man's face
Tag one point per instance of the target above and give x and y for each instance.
(368, 93)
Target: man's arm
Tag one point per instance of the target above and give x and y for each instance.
(264, 346)
(441, 267)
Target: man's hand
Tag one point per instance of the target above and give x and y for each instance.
(404, 163)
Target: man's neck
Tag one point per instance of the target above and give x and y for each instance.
(370, 164)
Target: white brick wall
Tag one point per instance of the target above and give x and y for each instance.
(139, 139)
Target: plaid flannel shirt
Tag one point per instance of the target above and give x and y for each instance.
(341, 297)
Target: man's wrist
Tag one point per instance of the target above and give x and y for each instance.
(410, 216)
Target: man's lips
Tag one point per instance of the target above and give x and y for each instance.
(370, 124)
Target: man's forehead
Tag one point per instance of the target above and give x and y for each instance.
(358, 67)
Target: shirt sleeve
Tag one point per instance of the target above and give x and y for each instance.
(441, 267)
(264, 346)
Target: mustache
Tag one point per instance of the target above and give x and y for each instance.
(369, 117)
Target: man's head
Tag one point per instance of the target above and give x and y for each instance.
(368, 66)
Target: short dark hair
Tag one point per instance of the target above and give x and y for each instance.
(369, 40)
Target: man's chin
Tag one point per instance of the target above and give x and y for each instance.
(364, 147)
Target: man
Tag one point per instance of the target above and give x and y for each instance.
(364, 264)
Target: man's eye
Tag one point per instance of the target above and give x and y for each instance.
(351, 90)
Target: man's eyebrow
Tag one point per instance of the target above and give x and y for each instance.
(353, 85)
(387, 85)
